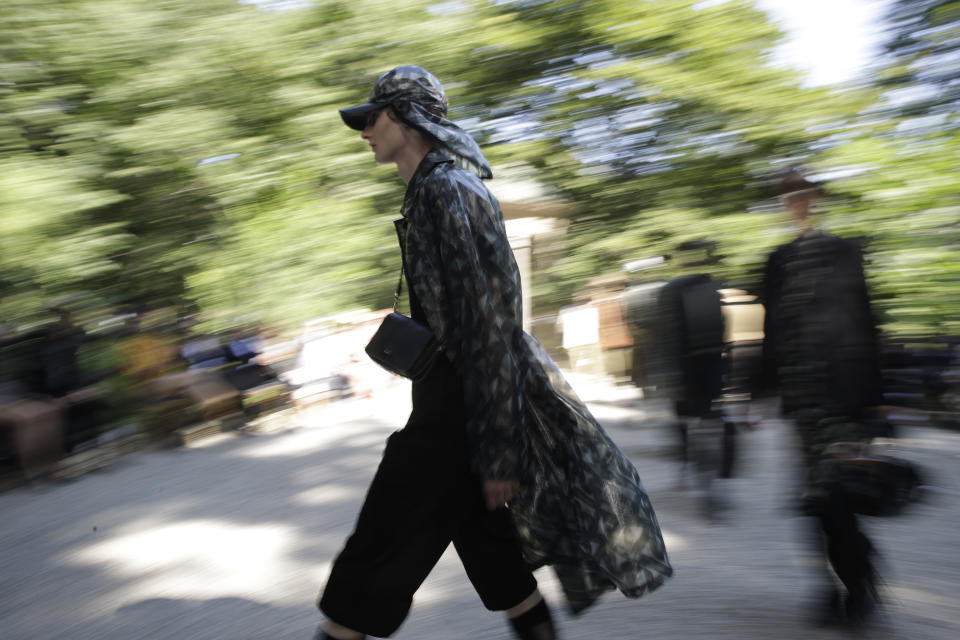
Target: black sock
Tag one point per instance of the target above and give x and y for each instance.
(535, 624)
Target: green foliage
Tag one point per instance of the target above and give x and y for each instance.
(168, 153)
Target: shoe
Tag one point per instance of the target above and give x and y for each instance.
(715, 507)
(536, 624)
(828, 609)
(862, 607)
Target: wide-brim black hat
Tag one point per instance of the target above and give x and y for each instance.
(793, 181)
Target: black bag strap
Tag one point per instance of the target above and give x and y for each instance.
(403, 267)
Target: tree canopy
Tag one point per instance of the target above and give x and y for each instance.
(169, 153)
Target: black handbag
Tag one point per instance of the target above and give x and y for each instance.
(402, 345)
(875, 484)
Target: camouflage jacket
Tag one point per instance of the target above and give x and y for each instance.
(581, 507)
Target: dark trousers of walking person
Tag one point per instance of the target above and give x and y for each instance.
(422, 498)
(838, 536)
(704, 437)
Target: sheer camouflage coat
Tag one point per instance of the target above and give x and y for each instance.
(581, 508)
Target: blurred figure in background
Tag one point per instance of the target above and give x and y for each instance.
(31, 422)
(42, 401)
(690, 345)
(59, 354)
(614, 338)
(82, 402)
(820, 348)
(147, 353)
(151, 388)
(497, 446)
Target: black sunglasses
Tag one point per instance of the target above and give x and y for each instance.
(371, 118)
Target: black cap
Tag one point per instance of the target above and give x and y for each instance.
(407, 83)
(417, 98)
(356, 117)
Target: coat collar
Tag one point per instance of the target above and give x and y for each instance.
(433, 158)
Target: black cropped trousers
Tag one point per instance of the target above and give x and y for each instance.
(422, 498)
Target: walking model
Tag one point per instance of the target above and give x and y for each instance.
(498, 455)
(820, 348)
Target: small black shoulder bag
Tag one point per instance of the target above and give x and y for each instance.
(402, 345)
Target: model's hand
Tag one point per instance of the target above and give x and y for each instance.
(498, 492)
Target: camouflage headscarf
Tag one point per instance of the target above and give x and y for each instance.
(418, 99)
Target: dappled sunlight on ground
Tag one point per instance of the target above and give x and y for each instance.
(673, 541)
(195, 558)
(307, 439)
(319, 496)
